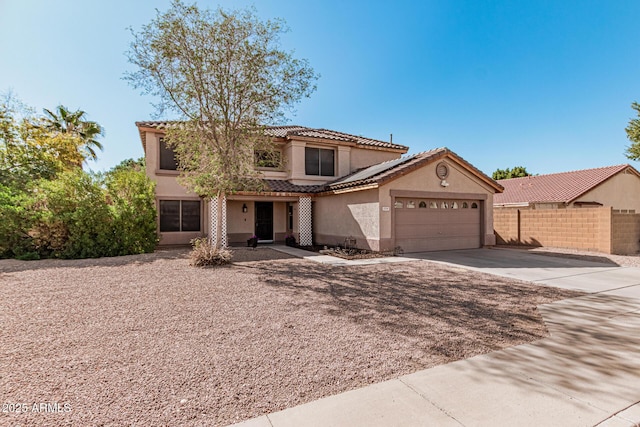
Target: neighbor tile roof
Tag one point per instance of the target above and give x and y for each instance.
(558, 187)
(291, 131)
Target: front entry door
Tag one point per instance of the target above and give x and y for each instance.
(264, 220)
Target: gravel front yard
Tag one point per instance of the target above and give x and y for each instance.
(148, 340)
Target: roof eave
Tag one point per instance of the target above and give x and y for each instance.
(349, 189)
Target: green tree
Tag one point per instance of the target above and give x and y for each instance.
(225, 76)
(73, 126)
(138, 165)
(28, 151)
(516, 172)
(633, 133)
(49, 207)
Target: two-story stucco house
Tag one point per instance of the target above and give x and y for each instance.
(335, 186)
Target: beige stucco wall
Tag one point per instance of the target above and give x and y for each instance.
(240, 226)
(167, 188)
(621, 191)
(354, 214)
(295, 149)
(347, 159)
(166, 182)
(279, 220)
(361, 157)
(425, 180)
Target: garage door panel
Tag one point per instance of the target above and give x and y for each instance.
(429, 229)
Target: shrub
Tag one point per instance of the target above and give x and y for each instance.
(204, 254)
(131, 195)
(28, 256)
(73, 218)
(79, 215)
(15, 222)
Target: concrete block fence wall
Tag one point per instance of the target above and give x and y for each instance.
(625, 233)
(592, 229)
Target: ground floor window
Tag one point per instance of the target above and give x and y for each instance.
(179, 215)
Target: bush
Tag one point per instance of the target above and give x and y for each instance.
(15, 222)
(79, 215)
(204, 254)
(28, 256)
(74, 220)
(131, 195)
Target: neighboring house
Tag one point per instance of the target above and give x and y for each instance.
(593, 209)
(335, 186)
(616, 186)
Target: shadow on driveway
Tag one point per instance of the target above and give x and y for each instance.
(508, 258)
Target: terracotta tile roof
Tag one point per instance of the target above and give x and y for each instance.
(289, 131)
(282, 186)
(386, 171)
(563, 187)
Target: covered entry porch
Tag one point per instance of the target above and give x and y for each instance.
(270, 217)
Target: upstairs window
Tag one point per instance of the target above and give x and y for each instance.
(167, 157)
(268, 159)
(319, 161)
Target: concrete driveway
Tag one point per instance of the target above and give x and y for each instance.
(593, 274)
(586, 373)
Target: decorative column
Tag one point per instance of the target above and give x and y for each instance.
(213, 221)
(305, 220)
(223, 222)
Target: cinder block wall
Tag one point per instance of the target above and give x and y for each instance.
(506, 226)
(584, 228)
(626, 233)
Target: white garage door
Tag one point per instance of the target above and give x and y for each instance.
(437, 224)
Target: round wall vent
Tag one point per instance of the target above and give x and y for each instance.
(442, 170)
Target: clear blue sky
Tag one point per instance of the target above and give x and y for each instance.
(543, 84)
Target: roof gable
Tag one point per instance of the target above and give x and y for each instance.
(563, 187)
(382, 173)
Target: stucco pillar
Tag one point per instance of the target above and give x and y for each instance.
(213, 221)
(218, 221)
(304, 215)
(344, 161)
(223, 222)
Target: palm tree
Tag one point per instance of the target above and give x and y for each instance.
(64, 121)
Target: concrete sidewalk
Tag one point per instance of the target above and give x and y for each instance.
(586, 373)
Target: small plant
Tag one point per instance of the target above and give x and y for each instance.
(204, 254)
(253, 241)
(290, 240)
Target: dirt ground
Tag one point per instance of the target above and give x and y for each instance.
(149, 340)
